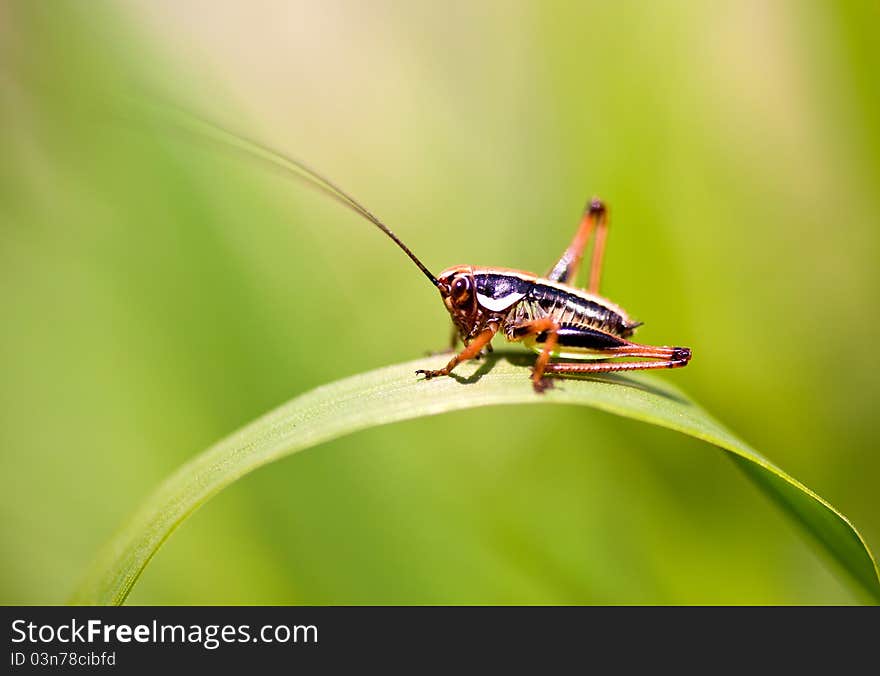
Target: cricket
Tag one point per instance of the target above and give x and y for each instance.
(573, 330)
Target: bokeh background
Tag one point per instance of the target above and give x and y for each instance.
(157, 294)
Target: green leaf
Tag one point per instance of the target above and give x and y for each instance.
(395, 393)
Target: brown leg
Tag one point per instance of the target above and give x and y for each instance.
(534, 328)
(663, 358)
(595, 219)
(598, 251)
(475, 345)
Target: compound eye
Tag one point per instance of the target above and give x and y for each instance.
(461, 290)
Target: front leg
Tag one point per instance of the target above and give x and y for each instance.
(474, 347)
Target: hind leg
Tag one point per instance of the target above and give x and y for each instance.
(660, 358)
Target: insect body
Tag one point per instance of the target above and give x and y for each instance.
(548, 314)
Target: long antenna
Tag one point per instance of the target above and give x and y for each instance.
(305, 173)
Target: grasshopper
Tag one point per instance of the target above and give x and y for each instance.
(548, 314)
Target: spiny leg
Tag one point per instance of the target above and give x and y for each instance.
(661, 358)
(536, 327)
(595, 219)
(474, 347)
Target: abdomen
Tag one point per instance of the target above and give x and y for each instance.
(586, 324)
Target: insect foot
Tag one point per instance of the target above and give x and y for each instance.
(543, 385)
(680, 356)
(430, 374)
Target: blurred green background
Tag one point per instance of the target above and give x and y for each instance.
(158, 294)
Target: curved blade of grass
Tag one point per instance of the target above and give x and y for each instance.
(394, 393)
